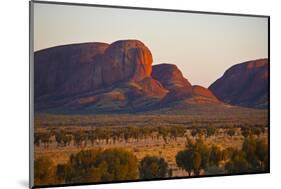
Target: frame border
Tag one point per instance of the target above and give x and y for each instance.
(31, 80)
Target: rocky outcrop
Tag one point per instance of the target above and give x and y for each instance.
(72, 69)
(90, 73)
(172, 79)
(68, 69)
(98, 77)
(126, 60)
(152, 87)
(198, 90)
(244, 84)
(202, 95)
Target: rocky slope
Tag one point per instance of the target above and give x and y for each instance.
(172, 79)
(70, 69)
(117, 77)
(244, 84)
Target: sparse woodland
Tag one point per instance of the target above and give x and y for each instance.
(99, 154)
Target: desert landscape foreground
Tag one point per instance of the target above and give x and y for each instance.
(104, 113)
(162, 136)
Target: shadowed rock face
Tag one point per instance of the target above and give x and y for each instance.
(68, 69)
(71, 69)
(244, 84)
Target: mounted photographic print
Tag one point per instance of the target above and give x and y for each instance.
(122, 94)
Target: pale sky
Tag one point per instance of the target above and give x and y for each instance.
(203, 46)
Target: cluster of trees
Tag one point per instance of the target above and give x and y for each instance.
(198, 157)
(107, 135)
(249, 131)
(99, 166)
(253, 157)
(129, 134)
(230, 131)
(207, 132)
(44, 171)
(88, 166)
(118, 164)
(43, 138)
(153, 167)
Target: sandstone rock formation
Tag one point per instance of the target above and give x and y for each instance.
(98, 77)
(172, 79)
(68, 69)
(126, 60)
(95, 74)
(170, 76)
(77, 68)
(244, 84)
(202, 95)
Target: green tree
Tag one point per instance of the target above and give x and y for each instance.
(190, 161)
(238, 163)
(245, 131)
(37, 139)
(193, 132)
(61, 171)
(210, 131)
(231, 132)
(66, 139)
(79, 138)
(184, 160)
(43, 171)
(204, 150)
(197, 132)
(256, 131)
(262, 153)
(97, 165)
(227, 153)
(196, 161)
(249, 148)
(45, 138)
(216, 156)
(153, 167)
(252, 157)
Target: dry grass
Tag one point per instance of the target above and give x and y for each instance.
(148, 146)
(142, 148)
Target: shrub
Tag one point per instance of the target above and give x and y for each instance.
(262, 153)
(215, 156)
(210, 131)
(98, 165)
(153, 167)
(231, 132)
(194, 158)
(251, 158)
(245, 131)
(249, 149)
(184, 160)
(204, 150)
(43, 171)
(238, 163)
